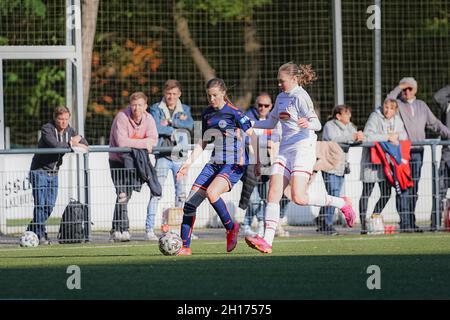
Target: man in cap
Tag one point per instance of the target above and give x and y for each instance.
(416, 116)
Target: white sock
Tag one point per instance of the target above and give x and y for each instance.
(272, 218)
(323, 200)
(318, 199)
(336, 202)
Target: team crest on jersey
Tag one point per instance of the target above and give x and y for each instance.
(284, 115)
(222, 124)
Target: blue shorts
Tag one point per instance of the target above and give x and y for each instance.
(232, 173)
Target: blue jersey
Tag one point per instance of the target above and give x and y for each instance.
(225, 128)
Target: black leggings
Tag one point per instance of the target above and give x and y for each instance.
(385, 189)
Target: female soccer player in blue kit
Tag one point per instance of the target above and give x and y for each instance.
(222, 124)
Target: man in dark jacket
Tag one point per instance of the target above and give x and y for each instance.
(44, 168)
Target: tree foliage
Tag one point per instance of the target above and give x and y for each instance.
(120, 70)
(32, 8)
(219, 10)
(137, 47)
(43, 93)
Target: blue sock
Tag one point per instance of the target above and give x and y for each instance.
(223, 213)
(186, 230)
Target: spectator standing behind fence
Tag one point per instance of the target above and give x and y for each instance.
(416, 116)
(224, 125)
(255, 188)
(44, 168)
(295, 161)
(384, 124)
(338, 129)
(442, 98)
(132, 127)
(174, 124)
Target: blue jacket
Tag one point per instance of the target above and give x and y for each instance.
(165, 132)
(253, 114)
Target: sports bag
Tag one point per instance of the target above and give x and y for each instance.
(71, 229)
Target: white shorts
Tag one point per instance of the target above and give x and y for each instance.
(296, 159)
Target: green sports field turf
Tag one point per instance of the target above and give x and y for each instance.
(412, 266)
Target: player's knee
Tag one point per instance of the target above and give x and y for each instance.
(189, 208)
(212, 195)
(300, 200)
(274, 197)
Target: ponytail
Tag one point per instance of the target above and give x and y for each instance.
(304, 72)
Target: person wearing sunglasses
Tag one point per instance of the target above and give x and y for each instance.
(255, 188)
(416, 116)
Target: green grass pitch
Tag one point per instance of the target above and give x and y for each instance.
(412, 266)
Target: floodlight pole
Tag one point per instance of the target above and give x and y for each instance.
(69, 73)
(79, 69)
(2, 110)
(337, 54)
(72, 52)
(377, 55)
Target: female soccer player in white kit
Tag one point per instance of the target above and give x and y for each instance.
(297, 154)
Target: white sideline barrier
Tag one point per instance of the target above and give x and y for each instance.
(16, 200)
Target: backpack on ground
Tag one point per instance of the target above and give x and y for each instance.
(71, 229)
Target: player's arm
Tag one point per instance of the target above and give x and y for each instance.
(311, 123)
(198, 149)
(310, 120)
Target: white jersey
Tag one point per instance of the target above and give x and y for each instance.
(289, 108)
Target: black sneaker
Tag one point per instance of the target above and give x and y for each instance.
(328, 230)
(44, 241)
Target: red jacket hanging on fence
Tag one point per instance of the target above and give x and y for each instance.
(397, 172)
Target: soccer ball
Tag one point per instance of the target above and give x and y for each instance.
(170, 243)
(29, 239)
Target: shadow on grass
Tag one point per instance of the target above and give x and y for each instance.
(237, 277)
(65, 256)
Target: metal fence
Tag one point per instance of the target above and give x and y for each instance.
(87, 178)
(140, 44)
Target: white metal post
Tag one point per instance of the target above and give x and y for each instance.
(69, 73)
(79, 68)
(337, 53)
(2, 109)
(69, 90)
(377, 55)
